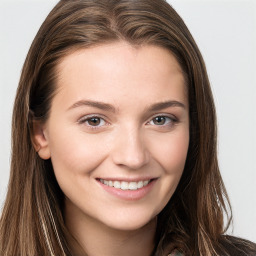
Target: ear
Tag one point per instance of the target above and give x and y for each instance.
(40, 140)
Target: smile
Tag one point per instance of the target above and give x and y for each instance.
(124, 185)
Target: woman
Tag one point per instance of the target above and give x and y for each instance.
(114, 139)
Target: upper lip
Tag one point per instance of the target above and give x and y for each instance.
(127, 179)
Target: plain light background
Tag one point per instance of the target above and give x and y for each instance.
(225, 31)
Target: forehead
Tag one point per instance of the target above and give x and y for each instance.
(120, 52)
(119, 69)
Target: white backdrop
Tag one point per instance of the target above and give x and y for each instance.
(225, 31)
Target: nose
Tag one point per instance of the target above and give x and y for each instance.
(129, 150)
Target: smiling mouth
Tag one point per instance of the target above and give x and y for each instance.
(124, 185)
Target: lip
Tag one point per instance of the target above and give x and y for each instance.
(128, 179)
(129, 195)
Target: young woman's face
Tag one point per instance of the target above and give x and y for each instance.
(118, 133)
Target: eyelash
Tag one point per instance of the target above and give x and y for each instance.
(84, 120)
(171, 122)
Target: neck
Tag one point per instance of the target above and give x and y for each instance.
(95, 238)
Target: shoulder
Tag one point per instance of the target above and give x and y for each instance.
(230, 246)
(236, 246)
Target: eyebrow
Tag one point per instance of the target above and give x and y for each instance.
(95, 104)
(166, 104)
(111, 108)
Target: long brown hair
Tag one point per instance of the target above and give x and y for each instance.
(32, 222)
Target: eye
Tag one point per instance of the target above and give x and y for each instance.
(162, 121)
(92, 121)
(95, 121)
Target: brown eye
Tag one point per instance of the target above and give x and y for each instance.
(163, 121)
(159, 120)
(94, 121)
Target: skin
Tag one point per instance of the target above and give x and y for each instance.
(126, 142)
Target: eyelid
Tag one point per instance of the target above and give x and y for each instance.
(86, 118)
(173, 118)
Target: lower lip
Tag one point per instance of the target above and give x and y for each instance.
(130, 195)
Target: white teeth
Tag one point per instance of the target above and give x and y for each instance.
(140, 184)
(124, 185)
(133, 186)
(117, 184)
(145, 183)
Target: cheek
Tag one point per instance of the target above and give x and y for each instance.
(76, 153)
(171, 152)
(171, 155)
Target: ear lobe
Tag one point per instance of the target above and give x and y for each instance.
(40, 141)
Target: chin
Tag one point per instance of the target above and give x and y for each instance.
(130, 222)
